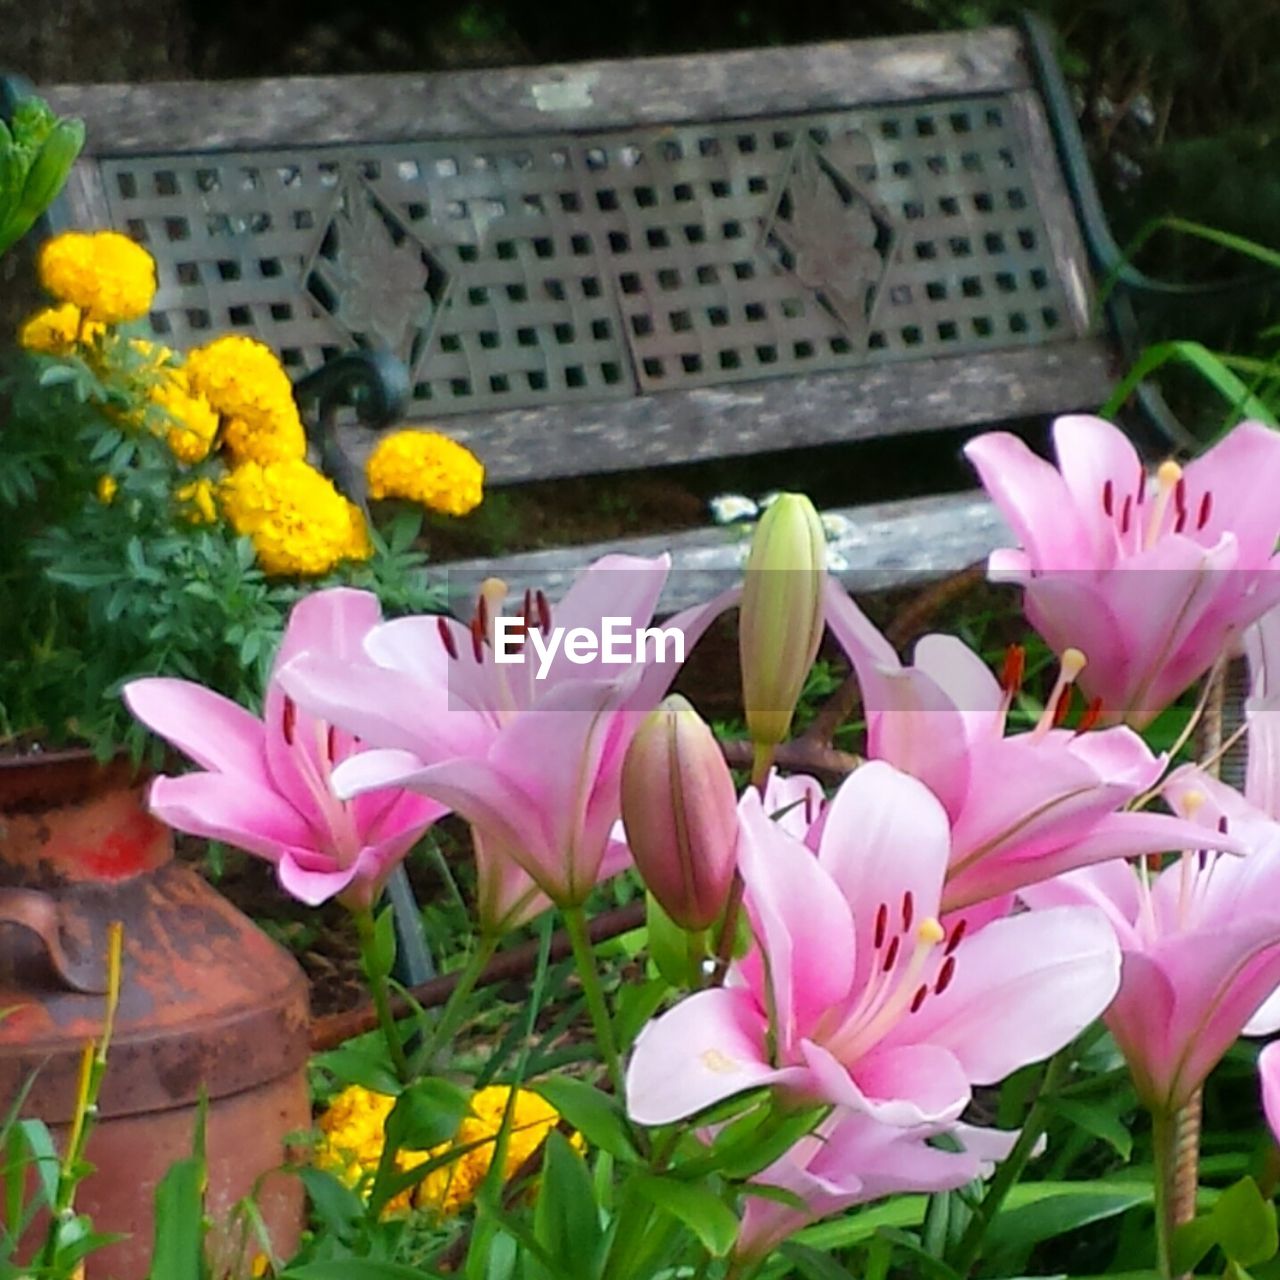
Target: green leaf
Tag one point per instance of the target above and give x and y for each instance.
(566, 1220)
(1209, 366)
(1055, 1215)
(669, 947)
(1097, 1121)
(179, 1231)
(595, 1115)
(636, 1005)
(362, 1065)
(426, 1115)
(697, 1207)
(352, 1269)
(811, 1264)
(1241, 1223)
(338, 1208)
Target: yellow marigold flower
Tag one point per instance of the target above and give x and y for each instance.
(191, 422)
(450, 1188)
(352, 1139)
(426, 467)
(300, 524)
(154, 355)
(197, 501)
(105, 274)
(107, 487)
(52, 331)
(244, 381)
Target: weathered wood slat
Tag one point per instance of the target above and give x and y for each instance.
(301, 111)
(889, 544)
(895, 398)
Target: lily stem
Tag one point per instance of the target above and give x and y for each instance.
(1164, 1141)
(584, 957)
(455, 1009)
(376, 973)
(1010, 1169)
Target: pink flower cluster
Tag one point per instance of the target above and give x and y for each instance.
(967, 902)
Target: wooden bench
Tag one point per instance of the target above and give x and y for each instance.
(616, 266)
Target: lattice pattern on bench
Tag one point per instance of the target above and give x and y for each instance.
(595, 266)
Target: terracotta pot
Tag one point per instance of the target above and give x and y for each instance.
(208, 1003)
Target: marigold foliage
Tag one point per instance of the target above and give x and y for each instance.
(299, 523)
(105, 274)
(352, 1138)
(244, 381)
(426, 467)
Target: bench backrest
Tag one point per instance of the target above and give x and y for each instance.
(607, 266)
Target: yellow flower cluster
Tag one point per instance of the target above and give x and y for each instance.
(56, 331)
(105, 274)
(300, 524)
(426, 467)
(197, 502)
(352, 1140)
(190, 421)
(245, 382)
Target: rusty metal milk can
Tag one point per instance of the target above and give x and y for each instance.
(207, 1002)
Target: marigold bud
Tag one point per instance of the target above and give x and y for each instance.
(781, 618)
(680, 813)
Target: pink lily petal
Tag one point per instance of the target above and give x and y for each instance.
(1269, 1075)
(911, 1084)
(803, 922)
(235, 810)
(313, 879)
(1032, 497)
(1118, 835)
(1069, 974)
(708, 1048)
(1220, 982)
(885, 837)
(212, 730)
(1266, 1021)
(963, 676)
(1243, 472)
(1111, 887)
(794, 803)
(384, 708)
(1095, 457)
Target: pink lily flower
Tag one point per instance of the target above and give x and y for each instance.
(264, 785)
(534, 764)
(1200, 939)
(1150, 578)
(851, 1159)
(1022, 808)
(854, 992)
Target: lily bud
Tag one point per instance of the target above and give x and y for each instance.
(781, 617)
(680, 813)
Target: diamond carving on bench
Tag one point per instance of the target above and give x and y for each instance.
(829, 234)
(374, 277)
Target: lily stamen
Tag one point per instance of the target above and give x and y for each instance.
(1168, 478)
(1073, 663)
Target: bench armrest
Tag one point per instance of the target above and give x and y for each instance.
(1108, 257)
(376, 384)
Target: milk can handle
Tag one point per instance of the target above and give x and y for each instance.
(38, 912)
